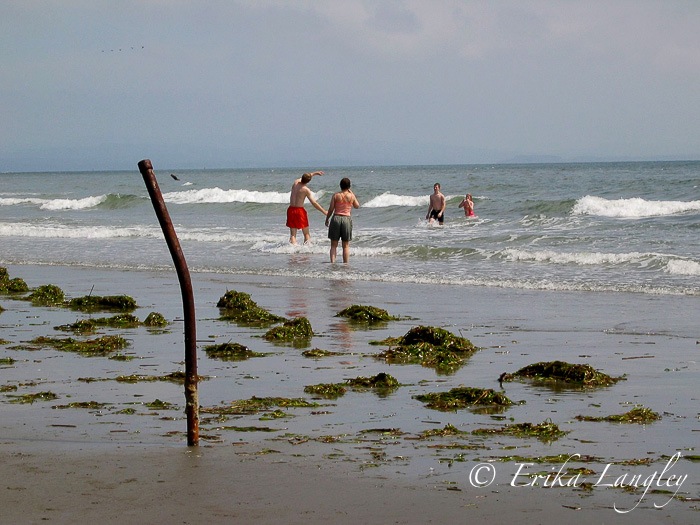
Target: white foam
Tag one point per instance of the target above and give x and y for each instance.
(387, 199)
(684, 267)
(217, 195)
(57, 204)
(631, 208)
(82, 232)
(580, 258)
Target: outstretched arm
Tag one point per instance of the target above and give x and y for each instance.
(314, 173)
(316, 204)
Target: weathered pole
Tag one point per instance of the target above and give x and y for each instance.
(183, 275)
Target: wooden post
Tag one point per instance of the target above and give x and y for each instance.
(183, 274)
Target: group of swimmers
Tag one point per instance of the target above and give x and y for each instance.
(436, 209)
(338, 215)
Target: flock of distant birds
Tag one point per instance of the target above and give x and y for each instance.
(120, 49)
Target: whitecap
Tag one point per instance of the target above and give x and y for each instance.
(633, 208)
(387, 199)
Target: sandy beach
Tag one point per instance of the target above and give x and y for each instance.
(362, 457)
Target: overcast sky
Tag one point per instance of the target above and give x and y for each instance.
(102, 84)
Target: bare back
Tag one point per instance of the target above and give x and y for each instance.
(300, 192)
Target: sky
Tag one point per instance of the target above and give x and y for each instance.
(101, 84)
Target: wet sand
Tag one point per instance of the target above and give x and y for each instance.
(67, 465)
(63, 484)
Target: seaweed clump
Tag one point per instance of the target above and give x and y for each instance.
(258, 404)
(545, 431)
(11, 286)
(92, 405)
(561, 372)
(366, 314)
(92, 303)
(447, 430)
(381, 381)
(174, 377)
(315, 353)
(86, 326)
(101, 346)
(327, 390)
(31, 398)
(429, 346)
(464, 397)
(155, 319)
(640, 415)
(298, 328)
(239, 307)
(230, 352)
(47, 295)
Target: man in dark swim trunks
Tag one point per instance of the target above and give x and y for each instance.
(297, 218)
(436, 210)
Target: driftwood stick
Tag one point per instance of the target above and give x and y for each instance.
(183, 274)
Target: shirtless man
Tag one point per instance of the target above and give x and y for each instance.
(296, 213)
(436, 210)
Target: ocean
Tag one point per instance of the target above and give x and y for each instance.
(600, 227)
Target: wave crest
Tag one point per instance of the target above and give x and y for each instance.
(633, 208)
(218, 196)
(387, 199)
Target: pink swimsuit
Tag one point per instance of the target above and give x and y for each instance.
(342, 207)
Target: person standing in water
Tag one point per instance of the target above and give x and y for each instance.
(297, 219)
(468, 206)
(340, 227)
(436, 210)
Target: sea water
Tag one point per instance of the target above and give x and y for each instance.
(618, 227)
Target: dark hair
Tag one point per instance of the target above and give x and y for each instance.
(305, 178)
(344, 183)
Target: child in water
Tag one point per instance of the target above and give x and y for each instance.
(468, 206)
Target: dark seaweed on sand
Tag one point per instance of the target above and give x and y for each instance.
(315, 353)
(381, 384)
(240, 308)
(429, 346)
(463, 397)
(93, 303)
(11, 286)
(366, 314)
(327, 390)
(174, 377)
(230, 352)
(558, 372)
(546, 431)
(381, 381)
(257, 404)
(47, 295)
(295, 329)
(639, 415)
(102, 346)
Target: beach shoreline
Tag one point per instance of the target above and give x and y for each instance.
(61, 464)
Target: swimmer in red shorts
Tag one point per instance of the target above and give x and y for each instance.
(297, 219)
